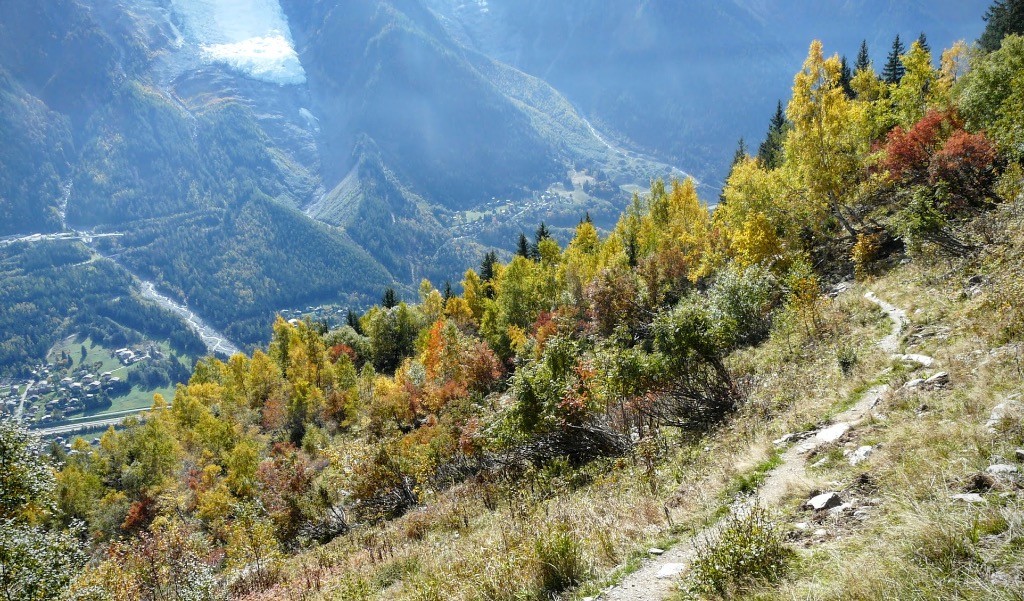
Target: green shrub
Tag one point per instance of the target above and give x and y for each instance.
(560, 558)
(746, 301)
(846, 356)
(748, 549)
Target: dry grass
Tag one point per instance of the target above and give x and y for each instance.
(920, 543)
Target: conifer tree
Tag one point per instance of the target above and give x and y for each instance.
(894, 70)
(390, 298)
(738, 157)
(769, 154)
(448, 293)
(1002, 18)
(923, 41)
(523, 248)
(353, 321)
(846, 78)
(741, 152)
(863, 58)
(540, 235)
(487, 266)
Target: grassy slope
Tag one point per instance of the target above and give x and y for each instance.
(474, 542)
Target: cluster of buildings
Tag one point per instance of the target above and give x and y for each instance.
(49, 398)
(128, 356)
(333, 315)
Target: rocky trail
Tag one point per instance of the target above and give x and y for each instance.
(658, 577)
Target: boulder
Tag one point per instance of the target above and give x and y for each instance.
(784, 439)
(833, 432)
(861, 454)
(670, 570)
(912, 384)
(656, 551)
(1002, 468)
(939, 379)
(924, 360)
(971, 497)
(826, 500)
(1001, 412)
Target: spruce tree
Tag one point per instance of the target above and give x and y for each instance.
(390, 298)
(487, 272)
(740, 154)
(846, 78)
(737, 157)
(1002, 18)
(541, 234)
(894, 69)
(487, 266)
(922, 40)
(523, 248)
(863, 58)
(353, 321)
(769, 154)
(448, 293)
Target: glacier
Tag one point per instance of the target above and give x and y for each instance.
(251, 37)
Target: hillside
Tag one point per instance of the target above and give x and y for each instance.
(811, 391)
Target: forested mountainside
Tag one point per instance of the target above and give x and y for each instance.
(672, 382)
(405, 137)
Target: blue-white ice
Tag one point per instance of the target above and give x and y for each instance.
(250, 36)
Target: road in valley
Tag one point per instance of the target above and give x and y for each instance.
(24, 396)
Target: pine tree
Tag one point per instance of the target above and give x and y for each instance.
(894, 70)
(741, 152)
(353, 321)
(448, 293)
(863, 58)
(922, 40)
(390, 298)
(523, 248)
(1002, 18)
(769, 154)
(541, 234)
(846, 78)
(487, 266)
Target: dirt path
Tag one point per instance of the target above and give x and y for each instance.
(656, 579)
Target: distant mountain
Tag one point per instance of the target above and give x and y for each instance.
(415, 128)
(683, 81)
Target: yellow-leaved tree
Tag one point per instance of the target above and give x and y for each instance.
(823, 144)
(912, 95)
(689, 229)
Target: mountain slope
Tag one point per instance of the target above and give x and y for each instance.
(683, 80)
